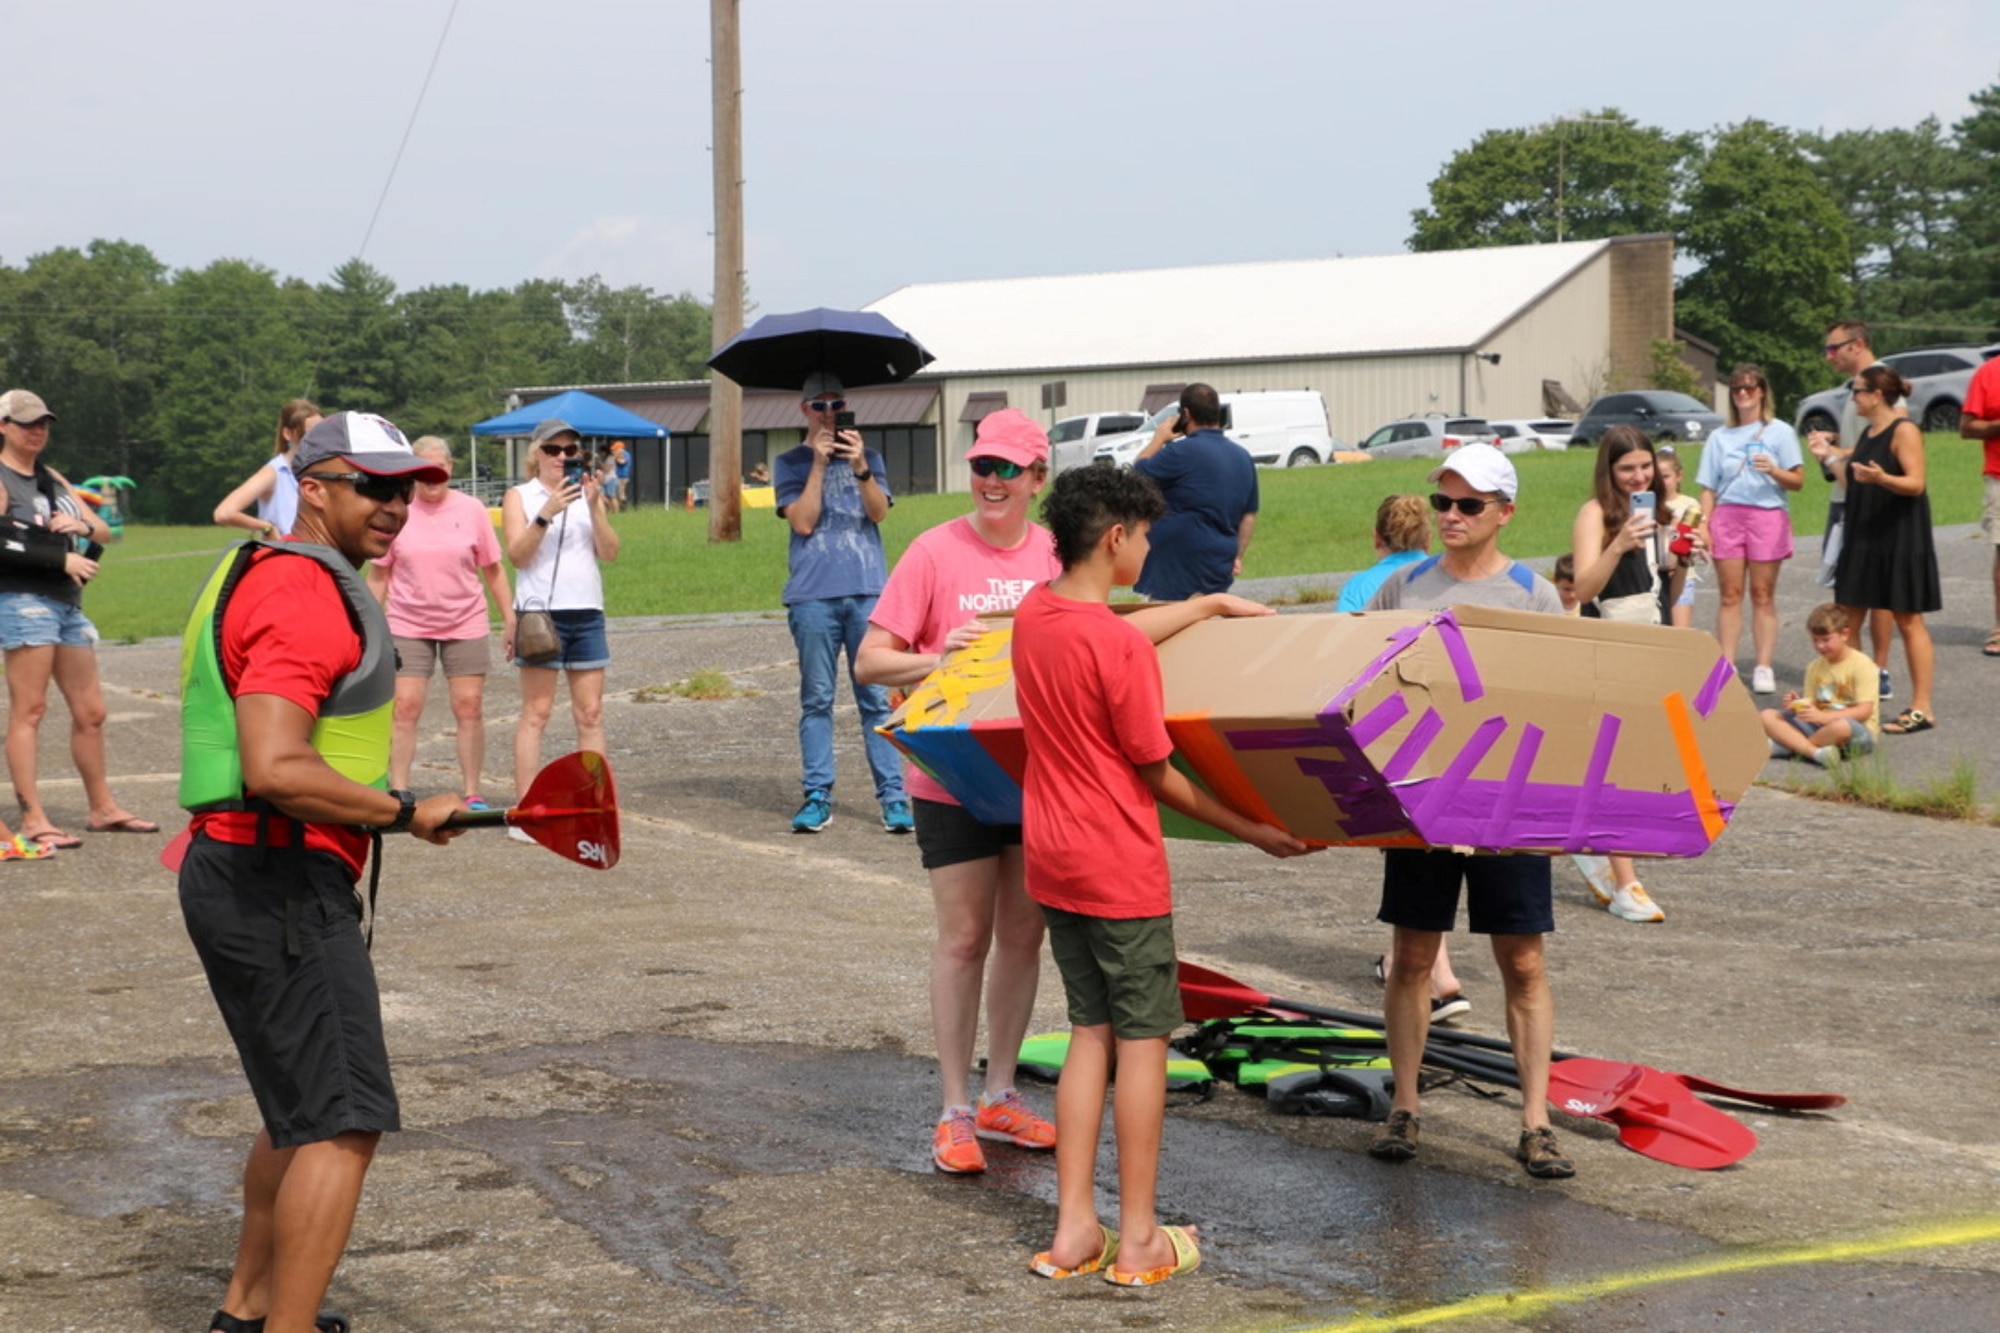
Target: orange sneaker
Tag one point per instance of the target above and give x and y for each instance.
(1010, 1121)
(954, 1147)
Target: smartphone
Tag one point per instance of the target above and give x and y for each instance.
(842, 421)
(573, 470)
(1644, 501)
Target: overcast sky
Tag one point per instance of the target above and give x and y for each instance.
(885, 143)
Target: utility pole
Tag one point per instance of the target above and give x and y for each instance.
(1562, 124)
(725, 397)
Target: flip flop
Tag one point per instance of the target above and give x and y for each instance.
(1992, 645)
(1187, 1258)
(54, 839)
(1045, 1266)
(129, 824)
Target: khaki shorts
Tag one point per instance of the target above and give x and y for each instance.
(1120, 971)
(1990, 519)
(461, 657)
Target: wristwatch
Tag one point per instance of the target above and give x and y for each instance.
(865, 474)
(404, 815)
(541, 521)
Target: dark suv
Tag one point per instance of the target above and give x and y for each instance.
(1661, 415)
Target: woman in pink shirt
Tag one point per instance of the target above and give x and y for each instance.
(431, 582)
(947, 580)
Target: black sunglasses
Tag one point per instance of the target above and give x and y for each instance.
(1469, 505)
(368, 486)
(828, 404)
(1831, 348)
(562, 450)
(996, 467)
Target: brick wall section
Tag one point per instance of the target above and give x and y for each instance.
(1642, 306)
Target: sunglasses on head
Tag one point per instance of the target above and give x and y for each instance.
(1469, 505)
(370, 487)
(996, 467)
(561, 450)
(828, 404)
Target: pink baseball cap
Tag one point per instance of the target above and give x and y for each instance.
(1010, 434)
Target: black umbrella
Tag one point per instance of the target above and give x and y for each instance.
(859, 346)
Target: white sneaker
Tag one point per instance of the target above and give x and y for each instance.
(1826, 756)
(1631, 903)
(1596, 872)
(1762, 681)
(518, 834)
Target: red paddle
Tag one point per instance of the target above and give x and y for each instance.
(1655, 1113)
(571, 808)
(1206, 993)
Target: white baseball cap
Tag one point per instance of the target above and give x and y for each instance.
(1483, 468)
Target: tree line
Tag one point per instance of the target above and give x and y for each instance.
(1790, 229)
(175, 378)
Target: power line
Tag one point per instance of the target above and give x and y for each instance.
(408, 129)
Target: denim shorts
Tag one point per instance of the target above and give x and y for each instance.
(584, 644)
(30, 620)
(1859, 740)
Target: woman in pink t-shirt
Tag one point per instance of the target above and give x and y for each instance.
(431, 582)
(949, 578)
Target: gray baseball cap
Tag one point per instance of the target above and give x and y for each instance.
(554, 426)
(371, 443)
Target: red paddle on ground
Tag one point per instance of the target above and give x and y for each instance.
(571, 808)
(1655, 1113)
(1207, 993)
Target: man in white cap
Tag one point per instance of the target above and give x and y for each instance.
(1507, 897)
(834, 492)
(287, 694)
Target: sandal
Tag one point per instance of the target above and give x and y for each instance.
(1992, 645)
(223, 1322)
(1909, 722)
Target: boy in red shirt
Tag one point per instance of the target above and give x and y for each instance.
(1087, 684)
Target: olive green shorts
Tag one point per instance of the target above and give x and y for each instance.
(1119, 971)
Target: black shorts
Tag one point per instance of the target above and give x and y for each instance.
(948, 836)
(308, 1027)
(1505, 895)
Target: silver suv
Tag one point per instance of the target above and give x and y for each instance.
(1938, 376)
(1425, 437)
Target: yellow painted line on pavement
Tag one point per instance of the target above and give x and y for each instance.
(1517, 1304)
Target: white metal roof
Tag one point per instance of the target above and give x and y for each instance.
(1442, 300)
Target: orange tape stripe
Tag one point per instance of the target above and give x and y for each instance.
(1680, 721)
(1203, 747)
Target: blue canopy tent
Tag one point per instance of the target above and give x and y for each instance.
(592, 417)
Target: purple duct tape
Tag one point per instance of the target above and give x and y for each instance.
(1380, 718)
(1593, 786)
(1398, 641)
(1711, 689)
(1413, 746)
(1541, 818)
(1288, 738)
(1460, 653)
(1509, 796)
(1459, 771)
(1367, 806)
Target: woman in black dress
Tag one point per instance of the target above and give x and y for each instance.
(1888, 560)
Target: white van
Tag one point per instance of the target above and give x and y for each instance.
(1276, 427)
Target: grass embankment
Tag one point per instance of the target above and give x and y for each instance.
(1313, 520)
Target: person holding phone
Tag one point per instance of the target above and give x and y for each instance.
(1616, 547)
(834, 492)
(1210, 486)
(557, 533)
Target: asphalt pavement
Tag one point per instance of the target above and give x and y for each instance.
(695, 1091)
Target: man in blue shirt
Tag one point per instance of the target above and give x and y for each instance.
(1210, 486)
(834, 491)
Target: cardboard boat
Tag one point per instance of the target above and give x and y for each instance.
(1473, 728)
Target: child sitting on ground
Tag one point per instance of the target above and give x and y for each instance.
(1834, 718)
(1087, 685)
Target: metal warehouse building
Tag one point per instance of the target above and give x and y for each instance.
(1464, 332)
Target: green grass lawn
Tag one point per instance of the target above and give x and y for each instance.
(1313, 520)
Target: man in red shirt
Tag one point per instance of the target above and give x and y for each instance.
(287, 693)
(1980, 420)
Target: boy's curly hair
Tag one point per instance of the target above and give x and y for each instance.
(1085, 501)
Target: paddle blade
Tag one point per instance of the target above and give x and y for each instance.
(1209, 994)
(1655, 1113)
(571, 808)
(1781, 1101)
